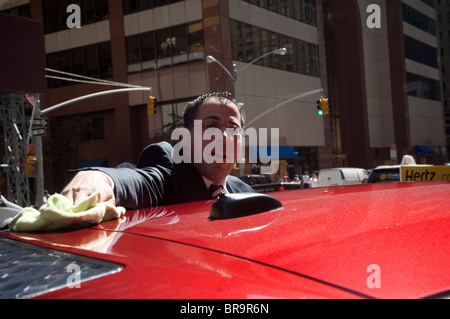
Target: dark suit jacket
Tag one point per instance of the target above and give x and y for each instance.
(157, 180)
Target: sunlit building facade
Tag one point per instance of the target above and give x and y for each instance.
(384, 81)
(383, 84)
(164, 45)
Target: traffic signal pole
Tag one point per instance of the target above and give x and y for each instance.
(40, 177)
(38, 151)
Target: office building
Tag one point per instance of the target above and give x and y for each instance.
(443, 8)
(384, 81)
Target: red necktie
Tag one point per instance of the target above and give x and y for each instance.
(215, 191)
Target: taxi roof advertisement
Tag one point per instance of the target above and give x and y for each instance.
(425, 173)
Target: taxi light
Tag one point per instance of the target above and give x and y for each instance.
(408, 160)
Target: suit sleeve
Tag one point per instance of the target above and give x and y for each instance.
(149, 184)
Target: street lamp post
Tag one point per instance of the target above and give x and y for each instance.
(233, 76)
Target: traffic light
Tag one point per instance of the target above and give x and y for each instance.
(325, 107)
(31, 166)
(319, 107)
(322, 106)
(151, 103)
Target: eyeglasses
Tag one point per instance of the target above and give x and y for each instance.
(232, 130)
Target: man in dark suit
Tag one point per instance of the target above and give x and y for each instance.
(158, 179)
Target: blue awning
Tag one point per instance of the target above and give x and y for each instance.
(423, 149)
(102, 162)
(265, 152)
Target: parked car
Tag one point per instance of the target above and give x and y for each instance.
(386, 240)
(341, 176)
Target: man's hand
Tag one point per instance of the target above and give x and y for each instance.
(86, 183)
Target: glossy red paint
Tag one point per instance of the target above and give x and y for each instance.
(320, 245)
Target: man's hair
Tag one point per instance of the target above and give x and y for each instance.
(190, 111)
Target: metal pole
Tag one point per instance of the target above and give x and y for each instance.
(84, 97)
(40, 178)
(242, 153)
(235, 88)
(39, 187)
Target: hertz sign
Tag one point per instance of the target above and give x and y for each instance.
(424, 173)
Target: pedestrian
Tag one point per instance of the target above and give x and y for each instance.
(296, 179)
(313, 181)
(305, 180)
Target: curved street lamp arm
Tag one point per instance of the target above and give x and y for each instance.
(210, 59)
(281, 51)
(84, 97)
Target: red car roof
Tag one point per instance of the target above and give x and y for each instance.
(327, 239)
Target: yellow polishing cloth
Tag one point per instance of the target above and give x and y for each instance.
(58, 213)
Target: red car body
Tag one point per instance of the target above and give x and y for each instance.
(358, 241)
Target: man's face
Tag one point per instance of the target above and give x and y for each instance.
(214, 113)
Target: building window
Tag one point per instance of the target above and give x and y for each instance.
(93, 129)
(132, 6)
(301, 10)
(94, 61)
(93, 11)
(286, 9)
(165, 47)
(55, 13)
(20, 11)
(431, 3)
(423, 87)
(418, 19)
(301, 57)
(420, 52)
(172, 116)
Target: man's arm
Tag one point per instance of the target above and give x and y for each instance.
(145, 186)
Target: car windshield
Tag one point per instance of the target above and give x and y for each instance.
(384, 175)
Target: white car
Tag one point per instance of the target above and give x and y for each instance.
(341, 176)
(7, 211)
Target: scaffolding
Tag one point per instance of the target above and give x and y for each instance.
(18, 129)
(12, 112)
